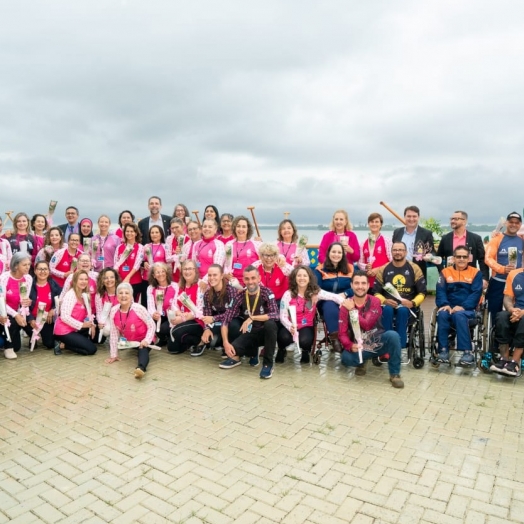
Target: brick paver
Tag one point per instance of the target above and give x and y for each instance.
(81, 441)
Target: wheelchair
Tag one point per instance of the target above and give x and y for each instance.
(478, 330)
(489, 354)
(416, 341)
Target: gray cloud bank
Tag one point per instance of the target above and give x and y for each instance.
(289, 106)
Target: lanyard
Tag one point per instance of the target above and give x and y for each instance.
(249, 310)
(111, 298)
(153, 252)
(286, 253)
(122, 325)
(240, 252)
(270, 276)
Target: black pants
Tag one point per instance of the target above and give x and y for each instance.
(233, 331)
(248, 343)
(143, 292)
(507, 332)
(78, 342)
(14, 332)
(184, 335)
(306, 336)
(46, 335)
(143, 358)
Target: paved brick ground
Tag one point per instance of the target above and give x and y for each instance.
(81, 441)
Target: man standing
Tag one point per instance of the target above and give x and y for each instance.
(503, 254)
(71, 226)
(409, 282)
(258, 307)
(460, 236)
(154, 219)
(459, 289)
(419, 241)
(372, 339)
(510, 325)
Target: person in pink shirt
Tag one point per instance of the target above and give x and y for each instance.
(105, 298)
(375, 251)
(340, 231)
(39, 226)
(186, 325)
(194, 231)
(84, 264)
(53, 241)
(182, 212)
(155, 251)
(226, 222)
(287, 244)
(104, 244)
(75, 328)
(209, 250)
(241, 252)
(174, 243)
(125, 217)
(303, 294)
(162, 294)
(128, 258)
(5, 252)
(12, 284)
(44, 291)
(130, 323)
(64, 261)
(21, 238)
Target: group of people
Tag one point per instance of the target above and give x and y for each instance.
(191, 285)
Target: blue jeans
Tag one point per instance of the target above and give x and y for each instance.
(390, 344)
(401, 315)
(458, 320)
(330, 311)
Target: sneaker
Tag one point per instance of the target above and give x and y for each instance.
(196, 351)
(266, 372)
(396, 381)
(281, 356)
(467, 359)
(223, 356)
(229, 363)
(511, 369)
(404, 359)
(10, 353)
(254, 361)
(139, 373)
(443, 357)
(498, 366)
(360, 371)
(304, 359)
(291, 347)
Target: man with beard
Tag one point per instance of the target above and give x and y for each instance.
(407, 279)
(257, 305)
(372, 339)
(460, 236)
(154, 219)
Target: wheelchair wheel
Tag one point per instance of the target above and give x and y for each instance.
(317, 356)
(376, 361)
(418, 362)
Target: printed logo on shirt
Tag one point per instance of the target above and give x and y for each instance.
(450, 279)
(399, 281)
(210, 252)
(53, 259)
(379, 250)
(518, 287)
(503, 251)
(261, 310)
(132, 327)
(277, 282)
(248, 252)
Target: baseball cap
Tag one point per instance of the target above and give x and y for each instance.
(514, 214)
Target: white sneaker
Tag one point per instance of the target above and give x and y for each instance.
(404, 360)
(10, 353)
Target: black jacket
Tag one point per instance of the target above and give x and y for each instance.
(476, 248)
(423, 235)
(55, 292)
(143, 226)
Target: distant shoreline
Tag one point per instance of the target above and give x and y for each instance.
(388, 227)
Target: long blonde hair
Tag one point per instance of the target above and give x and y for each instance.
(348, 227)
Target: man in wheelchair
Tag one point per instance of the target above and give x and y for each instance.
(459, 289)
(400, 286)
(509, 327)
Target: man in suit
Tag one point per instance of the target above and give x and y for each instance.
(72, 225)
(154, 219)
(419, 241)
(460, 236)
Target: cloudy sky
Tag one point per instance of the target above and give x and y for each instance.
(290, 105)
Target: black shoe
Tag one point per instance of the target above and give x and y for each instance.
(196, 351)
(57, 350)
(281, 356)
(304, 359)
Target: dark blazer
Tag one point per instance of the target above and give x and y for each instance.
(63, 228)
(476, 248)
(423, 235)
(143, 226)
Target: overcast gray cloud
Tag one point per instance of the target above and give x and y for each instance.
(289, 106)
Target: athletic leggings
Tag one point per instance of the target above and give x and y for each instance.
(184, 335)
(78, 342)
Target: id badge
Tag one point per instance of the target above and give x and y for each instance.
(122, 339)
(237, 265)
(100, 258)
(249, 328)
(198, 264)
(125, 268)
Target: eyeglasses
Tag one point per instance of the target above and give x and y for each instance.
(268, 255)
(192, 229)
(456, 218)
(461, 256)
(398, 250)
